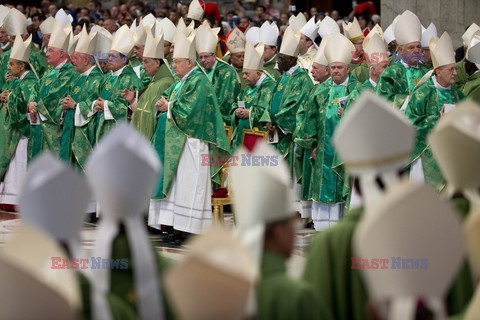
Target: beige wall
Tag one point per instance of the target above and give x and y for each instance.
(452, 16)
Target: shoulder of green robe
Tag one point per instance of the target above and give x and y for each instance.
(224, 69)
(29, 76)
(395, 69)
(268, 83)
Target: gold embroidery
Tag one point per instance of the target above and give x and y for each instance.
(335, 102)
(48, 81)
(174, 93)
(108, 86)
(76, 90)
(280, 87)
(415, 81)
(248, 99)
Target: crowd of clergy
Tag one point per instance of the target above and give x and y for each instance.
(376, 145)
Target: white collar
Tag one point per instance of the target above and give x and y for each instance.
(292, 69)
(374, 84)
(274, 56)
(344, 83)
(87, 73)
(260, 80)
(188, 73)
(407, 65)
(118, 72)
(24, 74)
(438, 85)
(61, 65)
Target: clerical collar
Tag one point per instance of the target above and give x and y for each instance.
(407, 65)
(60, 65)
(260, 80)
(374, 84)
(87, 73)
(438, 85)
(344, 83)
(24, 74)
(118, 72)
(274, 56)
(292, 69)
(188, 73)
(4, 46)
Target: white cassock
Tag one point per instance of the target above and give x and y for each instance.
(188, 206)
(17, 169)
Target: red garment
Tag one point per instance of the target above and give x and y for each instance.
(366, 6)
(211, 9)
(366, 31)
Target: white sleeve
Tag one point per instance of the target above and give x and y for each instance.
(106, 111)
(79, 119)
(92, 111)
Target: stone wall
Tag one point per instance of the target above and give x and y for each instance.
(452, 16)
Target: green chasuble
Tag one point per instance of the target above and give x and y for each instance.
(37, 61)
(423, 111)
(327, 181)
(111, 91)
(240, 77)
(280, 297)
(193, 113)
(227, 87)
(257, 99)
(122, 281)
(49, 91)
(359, 71)
(355, 94)
(398, 81)
(76, 142)
(270, 69)
(13, 119)
(290, 93)
(471, 88)
(144, 115)
(462, 75)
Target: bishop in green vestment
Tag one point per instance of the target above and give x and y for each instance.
(111, 107)
(255, 97)
(14, 130)
(44, 105)
(428, 102)
(271, 66)
(194, 141)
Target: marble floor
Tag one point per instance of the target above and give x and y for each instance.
(10, 222)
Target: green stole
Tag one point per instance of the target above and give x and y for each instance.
(37, 132)
(444, 97)
(159, 141)
(277, 95)
(105, 95)
(69, 122)
(245, 123)
(413, 77)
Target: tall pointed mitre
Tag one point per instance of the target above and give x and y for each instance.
(374, 137)
(195, 11)
(352, 30)
(253, 35)
(427, 34)
(148, 20)
(185, 47)
(60, 37)
(154, 47)
(375, 49)
(206, 38)
(310, 29)
(320, 55)
(103, 42)
(376, 30)
(236, 41)
(63, 18)
(28, 279)
(467, 35)
(408, 28)
(21, 50)
(290, 42)
(389, 34)
(139, 33)
(473, 50)
(268, 34)
(455, 143)
(297, 22)
(214, 279)
(85, 42)
(442, 51)
(168, 29)
(3, 13)
(15, 23)
(182, 28)
(327, 27)
(339, 49)
(123, 41)
(253, 56)
(417, 267)
(47, 26)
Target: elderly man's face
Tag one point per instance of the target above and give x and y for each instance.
(237, 59)
(319, 72)
(182, 66)
(207, 60)
(339, 72)
(446, 74)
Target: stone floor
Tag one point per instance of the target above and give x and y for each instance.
(9, 223)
